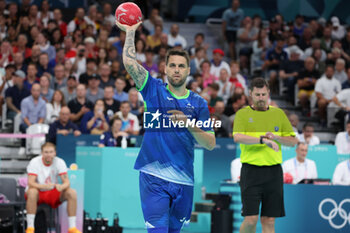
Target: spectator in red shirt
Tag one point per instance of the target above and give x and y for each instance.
(21, 46)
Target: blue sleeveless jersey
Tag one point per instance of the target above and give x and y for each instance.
(167, 150)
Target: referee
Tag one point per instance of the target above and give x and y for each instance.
(261, 129)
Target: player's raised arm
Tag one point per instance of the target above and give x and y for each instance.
(136, 71)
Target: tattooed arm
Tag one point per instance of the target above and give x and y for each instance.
(136, 71)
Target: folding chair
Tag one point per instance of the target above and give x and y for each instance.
(8, 187)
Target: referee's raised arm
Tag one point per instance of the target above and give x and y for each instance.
(136, 71)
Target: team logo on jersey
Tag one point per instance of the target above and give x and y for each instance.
(169, 98)
(276, 128)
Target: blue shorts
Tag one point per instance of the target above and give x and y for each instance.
(166, 206)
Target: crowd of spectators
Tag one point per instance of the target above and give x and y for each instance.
(51, 68)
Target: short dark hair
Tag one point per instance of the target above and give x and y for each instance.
(177, 52)
(258, 83)
(215, 86)
(308, 124)
(199, 34)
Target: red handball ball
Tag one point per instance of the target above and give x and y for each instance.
(287, 178)
(128, 13)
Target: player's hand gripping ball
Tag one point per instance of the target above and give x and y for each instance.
(128, 13)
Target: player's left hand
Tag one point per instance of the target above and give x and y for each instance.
(177, 116)
(59, 187)
(270, 136)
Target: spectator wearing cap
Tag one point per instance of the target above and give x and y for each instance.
(105, 76)
(69, 91)
(79, 105)
(89, 47)
(44, 65)
(59, 80)
(149, 65)
(196, 61)
(326, 88)
(306, 82)
(120, 94)
(32, 77)
(231, 21)
(289, 71)
(315, 44)
(46, 91)
(338, 31)
(218, 63)
(94, 92)
(15, 94)
(175, 38)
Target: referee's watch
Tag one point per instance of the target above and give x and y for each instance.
(261, 139)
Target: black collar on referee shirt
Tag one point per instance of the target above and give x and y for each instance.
(268, 107)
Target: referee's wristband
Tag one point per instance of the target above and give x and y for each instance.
(261, 139)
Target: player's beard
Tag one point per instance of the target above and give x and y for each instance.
(177, 83)
(260, 105)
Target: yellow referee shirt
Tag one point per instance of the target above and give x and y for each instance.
(257, 123)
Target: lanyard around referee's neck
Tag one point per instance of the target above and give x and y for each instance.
(296, 168)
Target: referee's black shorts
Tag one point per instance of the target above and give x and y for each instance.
(262, 184)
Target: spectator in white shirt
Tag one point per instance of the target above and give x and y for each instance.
(226, 87)
(341, 175)
(236, 166)
(175, 38)
(130, 123)
(342, 140)
(338, 31)
(307, 136)
(326, 88)
(300, 167)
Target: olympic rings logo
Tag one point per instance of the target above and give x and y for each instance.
(333, 213)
